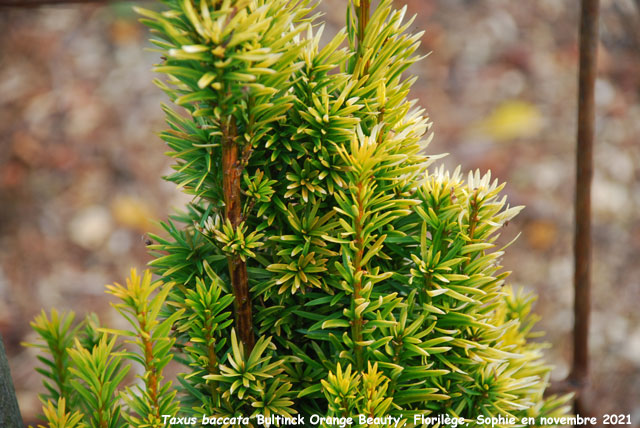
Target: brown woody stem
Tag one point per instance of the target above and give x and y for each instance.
(363, 20)
(232, 172)
(473, 216)
(356, 329)
(150, 366)
(212, 364)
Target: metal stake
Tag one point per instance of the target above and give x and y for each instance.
(579, 375)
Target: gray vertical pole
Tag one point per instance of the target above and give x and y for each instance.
(9, 410)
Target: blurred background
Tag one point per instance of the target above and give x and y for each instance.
(80, 163)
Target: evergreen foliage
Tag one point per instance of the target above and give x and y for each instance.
(322, 267)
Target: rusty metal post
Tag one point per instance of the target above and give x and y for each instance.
(579, 375)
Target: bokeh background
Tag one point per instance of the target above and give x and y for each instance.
(80, 164)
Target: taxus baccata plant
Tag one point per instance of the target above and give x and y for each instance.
(321, 268)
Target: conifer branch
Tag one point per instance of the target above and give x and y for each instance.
(363, 11)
